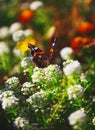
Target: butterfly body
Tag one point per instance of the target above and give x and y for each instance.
(40, 58)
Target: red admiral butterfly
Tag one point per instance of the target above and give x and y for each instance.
(40, 58)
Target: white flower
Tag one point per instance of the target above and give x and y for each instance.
(75, 91)
(38, 75)
(71, 67)
(4, 32)
(8, 99)
(27, 88)
(52, 72)
(9, 102)
(12, 82)
(66, 53)
(6, 94)
(77, 118)
(93, 121)
(21, 122)
(18, 35)
(27, 61)
(36, 98)
(35, 5)
(3, 48)
(28, 32)
(14, 27)
(21, 34)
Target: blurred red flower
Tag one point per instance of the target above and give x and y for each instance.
(26, 15)
(85, 27)
(78, 42)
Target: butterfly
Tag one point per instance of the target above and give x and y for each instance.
(40, 58)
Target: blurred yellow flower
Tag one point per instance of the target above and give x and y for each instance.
(23, 45)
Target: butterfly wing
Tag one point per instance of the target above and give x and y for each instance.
(39, 57)
(35, 50)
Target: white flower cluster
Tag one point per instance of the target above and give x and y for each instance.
(9, 102)
(36, 99)
(5, 94)
(20, 35)
(46, 74)
(8, 99)
(66, 53)
(93, 120)
(71, 67)
(77, 118)
(6, 31)
(38, 75)
(27, 61)
(21, 122)
(12, 82)
(52, 71)
(3, 48)
(16, 31)
(75, 91)
(27, 88)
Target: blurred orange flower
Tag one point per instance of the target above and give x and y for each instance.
(26, 15)
(85, 27)
(78, 42)
(23, 45)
